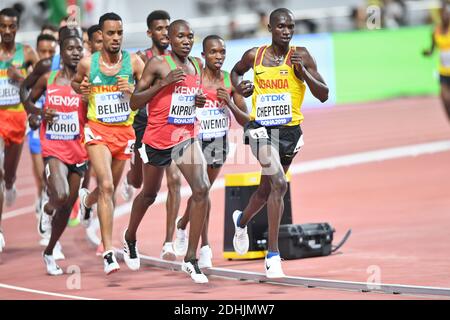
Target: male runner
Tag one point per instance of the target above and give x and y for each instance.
(441, 40)
(95, 39)
(46, 48)
(172, 84)
(158, 26)
(15, 58)
(215, 121)
(63, 117)
(281, 73)
(107, 78)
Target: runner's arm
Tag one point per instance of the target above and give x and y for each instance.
(41, 68)
(245, 87)
(429, 52)
(31, 56)
(306, 69)
(36, 92)
(239, 108)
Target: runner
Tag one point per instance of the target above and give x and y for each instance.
(274, 133)
(46, 48)
(172, 84)
(107, 78)
(158, 25)
(64, 155)
(441, 39)
(215, 121)
(15, 58)
(95, 39)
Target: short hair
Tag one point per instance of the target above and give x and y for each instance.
(157, 15)
(176, 23)
(10, 12)
(45, 37)
(91, 30)
(50, 27)
(278, 12)
(66, 33)
(211, 37)
(108, 16)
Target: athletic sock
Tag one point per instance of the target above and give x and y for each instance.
(272, 254)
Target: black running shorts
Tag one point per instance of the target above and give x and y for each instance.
(79, 168)
(215, 151)
(287, 140)
(163, 158)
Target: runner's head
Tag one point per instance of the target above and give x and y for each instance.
(95, 38)
(112, 32)
(9, 23)
(71, 43)
(214, 52)
(181, 37)
(50, 29)
(158, 28)
(46, 46)
(445, 16)
(282, 26)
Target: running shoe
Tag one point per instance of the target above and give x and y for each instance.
(240, 239)
(205, 260)
(167, 252)
(2, 241)
(85, 212)
(180, 244)
(110, 262)
(52, 268)
(192, 269)
(273, 267)
(131, 254)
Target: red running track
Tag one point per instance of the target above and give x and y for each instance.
(397, 209)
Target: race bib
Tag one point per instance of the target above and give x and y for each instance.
(9, 92)
(112, 107)
(130, 147)
(182, 109)
(214, 122)
(445, 58)
(65, 127)
(273, 109)
(260, 133)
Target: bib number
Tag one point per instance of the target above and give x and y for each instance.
(260, 133)
(214, 122)
(66, 127)
(9, 92)
(112, 107)
(182, 109)
(273, 109)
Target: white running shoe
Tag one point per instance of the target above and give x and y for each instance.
(52, 268)
(45, 221)
(180, 244)
(205, 260)
(192, 269)
(273, 267)
(167, 252)
(110, 262)
(240, 239)
(37, 207)
(127, 190)
(57, 252)
(85, 212)
(131, 254)
(44, 242)
(2, 241)
(10, 196)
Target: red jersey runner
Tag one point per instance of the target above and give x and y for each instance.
(171, 113)
(63, 138)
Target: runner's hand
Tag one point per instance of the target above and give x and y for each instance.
(34, 121)
(245, 88)
(200, 99)
(124, 86)
(85, 86)
(223, 95)
(14, 74)
(426, 52)
(297, 61)
(50, 115)
(174, 76)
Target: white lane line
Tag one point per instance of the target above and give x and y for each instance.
(18, 212)
(59, 295)
(306, 167)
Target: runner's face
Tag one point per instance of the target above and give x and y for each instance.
(214, 54)
(282, 29)
(8, 29)
(182, 40)
(112, 33)
(72, 52)
(97, 42)
(160, 33)
(86, 42)
(46, 49)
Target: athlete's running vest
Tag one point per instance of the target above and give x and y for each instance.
(107, 105)
(171, 113)
(9, 89)
(443, 43)
(278, 94)
(63, 138)
(214, 117)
